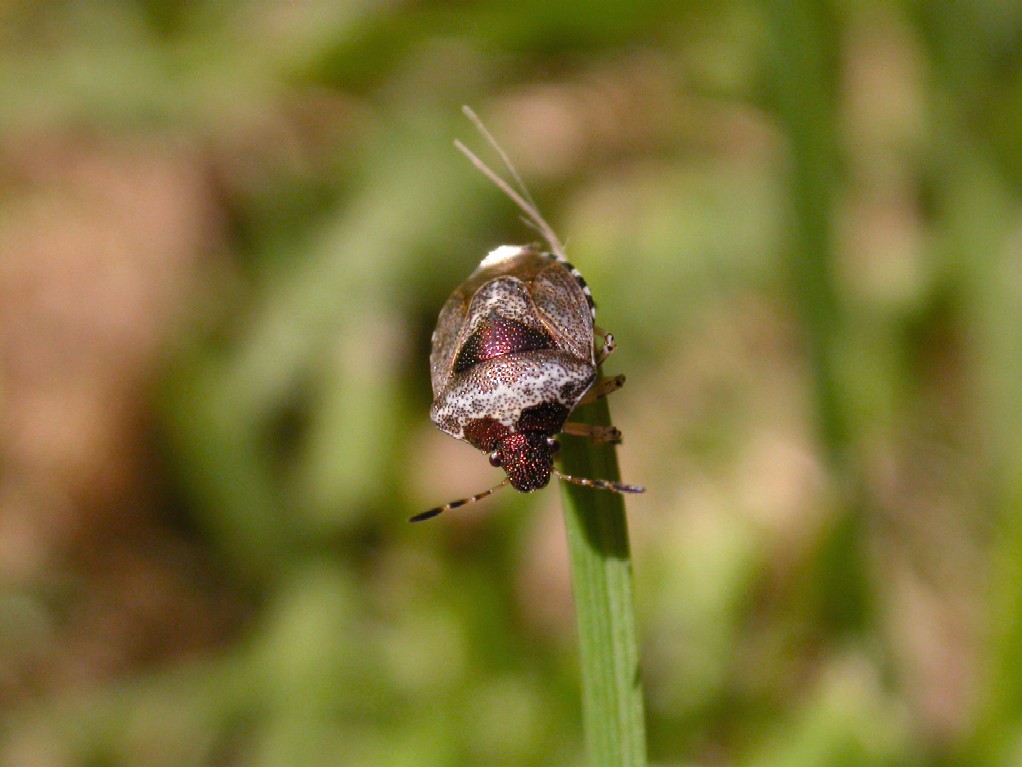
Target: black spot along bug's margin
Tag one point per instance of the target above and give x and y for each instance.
(514, 354)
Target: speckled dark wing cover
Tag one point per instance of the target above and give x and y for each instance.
(533, 288)
(565, 309)
(445, 339)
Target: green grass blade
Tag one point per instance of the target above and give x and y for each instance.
(601, 570)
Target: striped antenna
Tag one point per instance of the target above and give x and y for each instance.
(455, 504)
(600, 484)
(521, 198)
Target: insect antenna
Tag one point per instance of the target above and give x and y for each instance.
(521, 197)
(455, 504)
(600, 484)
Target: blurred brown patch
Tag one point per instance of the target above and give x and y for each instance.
(102, 241)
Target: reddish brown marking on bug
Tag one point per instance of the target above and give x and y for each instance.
(497, 337)
(527, 458)
(547, 418)
(485, 434)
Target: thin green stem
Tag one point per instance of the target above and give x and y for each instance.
(601, 569)
(804, 91)
(805, 72)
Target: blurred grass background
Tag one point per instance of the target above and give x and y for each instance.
(226, 229)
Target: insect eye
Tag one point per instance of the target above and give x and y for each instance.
(495, 459)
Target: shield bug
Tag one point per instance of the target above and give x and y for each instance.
(514, 353)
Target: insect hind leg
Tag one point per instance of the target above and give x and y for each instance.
(608, 347)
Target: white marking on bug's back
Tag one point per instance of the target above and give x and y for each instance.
(482, 392)
(501, 254)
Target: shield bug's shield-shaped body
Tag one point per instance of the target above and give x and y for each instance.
(514, 354)
(512, 357)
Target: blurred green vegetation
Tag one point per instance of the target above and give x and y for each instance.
(226, 229)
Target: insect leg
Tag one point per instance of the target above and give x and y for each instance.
(608, 344)
(602, 388)
(598, 434)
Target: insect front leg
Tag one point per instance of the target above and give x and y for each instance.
(598, 434)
